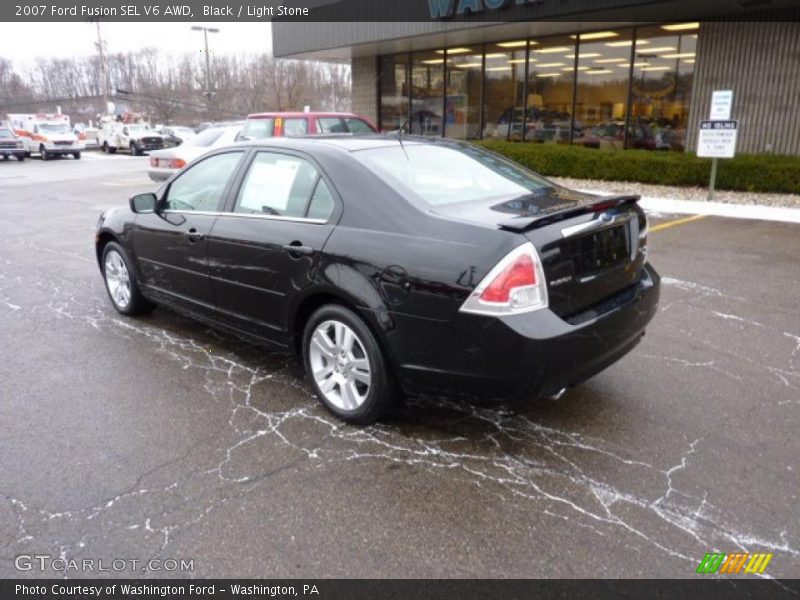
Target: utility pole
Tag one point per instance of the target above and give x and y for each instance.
(206, 31)
(103, 68)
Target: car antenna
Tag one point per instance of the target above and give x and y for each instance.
(400, 138)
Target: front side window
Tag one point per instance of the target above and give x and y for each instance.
(442, 175)
(331, 125)
(283, 185)
(358, 126)
(202, 187)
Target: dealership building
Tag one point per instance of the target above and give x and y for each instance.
(606, 74)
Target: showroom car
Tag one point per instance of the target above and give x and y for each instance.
(390, 265)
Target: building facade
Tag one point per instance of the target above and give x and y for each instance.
(608, 85)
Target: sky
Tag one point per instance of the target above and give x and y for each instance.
(22, 43)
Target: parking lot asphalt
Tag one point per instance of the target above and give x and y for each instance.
(156, 437)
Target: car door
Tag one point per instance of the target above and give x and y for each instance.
(171, 245)
(265, 249)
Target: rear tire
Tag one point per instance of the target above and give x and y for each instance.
(6, 157)
(135, 149)
(105, 147)
(120, 279)
(346, 367)
(76, 155)
(21, 157)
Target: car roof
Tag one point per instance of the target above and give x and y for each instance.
(347, 143)
(291, 115)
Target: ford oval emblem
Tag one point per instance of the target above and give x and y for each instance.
(607, 217)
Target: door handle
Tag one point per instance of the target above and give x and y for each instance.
(193, 236)
(297, 248)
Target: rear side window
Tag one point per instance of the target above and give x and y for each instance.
(295, 127)
(358, 126)
(322, 203)
(285, 186)
(258, 129)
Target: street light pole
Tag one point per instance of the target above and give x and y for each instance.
(206, 31)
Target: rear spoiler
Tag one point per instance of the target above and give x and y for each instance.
(598, 204)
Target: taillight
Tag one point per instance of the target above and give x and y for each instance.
(153, 161)
(515, 285)
(177, 163)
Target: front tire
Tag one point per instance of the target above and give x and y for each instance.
(135, 149)
(76, 155)
(121, 282)
(21, 157)
(346, 367)
(45, 154)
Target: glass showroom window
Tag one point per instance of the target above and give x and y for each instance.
(427, 92)
(603, 82)
(394, 92)
(463, 104)
(551, 81)
(504, 100)
(662, 85)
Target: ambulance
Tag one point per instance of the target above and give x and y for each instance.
(48, 135)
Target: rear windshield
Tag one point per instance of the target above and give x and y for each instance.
(258, 129)
(450, 174)
(206, 138)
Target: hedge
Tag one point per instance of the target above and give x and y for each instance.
(746, 173)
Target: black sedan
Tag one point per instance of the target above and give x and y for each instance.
(390, 264)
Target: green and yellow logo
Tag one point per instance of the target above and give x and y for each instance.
(719, 562)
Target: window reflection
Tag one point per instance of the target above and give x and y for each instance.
(661, 88)
(505, 100)
(474, 92)
(463, 106)
(602, 95)
(427, 93)
(551, 80)
(394, 92)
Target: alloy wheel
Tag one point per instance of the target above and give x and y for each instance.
(339, 365)
(117, 279)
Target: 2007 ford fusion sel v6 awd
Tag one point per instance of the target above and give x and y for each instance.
(391, 264)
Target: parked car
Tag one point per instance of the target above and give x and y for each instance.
(288, 124)
(165, 163)
(175, 135)
(137, 138)
(11, 145)
(386, 263)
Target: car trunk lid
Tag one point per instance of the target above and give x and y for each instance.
(591, 247)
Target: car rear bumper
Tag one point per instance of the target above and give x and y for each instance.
(537, 353)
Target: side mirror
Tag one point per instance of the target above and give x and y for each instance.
(143, 203)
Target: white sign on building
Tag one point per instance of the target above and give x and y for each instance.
(721, 103)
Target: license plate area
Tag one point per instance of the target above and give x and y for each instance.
(600, 251)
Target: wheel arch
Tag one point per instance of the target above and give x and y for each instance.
(377, 321)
